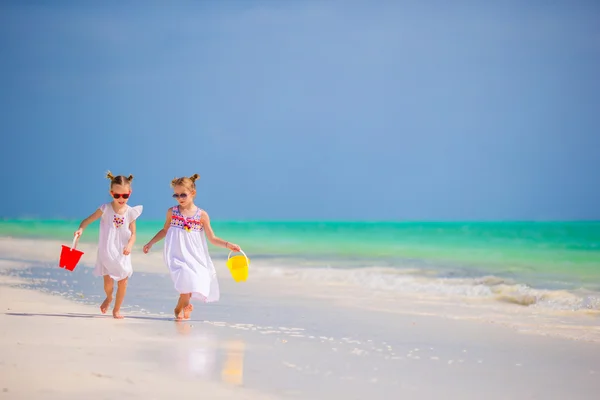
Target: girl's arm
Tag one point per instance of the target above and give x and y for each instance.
(127, 249)
(205, 219)
(84, 224)
(160, 235)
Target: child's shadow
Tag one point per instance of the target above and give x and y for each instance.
(79, 315)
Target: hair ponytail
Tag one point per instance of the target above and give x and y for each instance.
(119, 179)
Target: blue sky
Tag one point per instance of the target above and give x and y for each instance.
(310, 110)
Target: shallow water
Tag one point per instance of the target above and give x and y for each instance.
(548, 265)
(308, 348)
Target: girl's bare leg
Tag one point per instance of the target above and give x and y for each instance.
(183, 306)
(188, 307)
(121, 289)
(179, 308)
(108, 289)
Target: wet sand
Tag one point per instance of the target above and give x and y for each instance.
(268, 338)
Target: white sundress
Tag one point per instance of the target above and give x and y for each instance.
(114, 236)
(186, 255)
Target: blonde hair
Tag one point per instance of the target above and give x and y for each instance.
(119, 179)
(188, 183)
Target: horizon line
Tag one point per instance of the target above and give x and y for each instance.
(29, 219)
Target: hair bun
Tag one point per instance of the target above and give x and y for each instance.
(109, 175)
(195, 177)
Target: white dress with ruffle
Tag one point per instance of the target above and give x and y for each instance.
(187, 257)
(114, 236)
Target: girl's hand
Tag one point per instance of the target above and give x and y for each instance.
(127, 250)
(233, 247)
(147, 248)
(78, 233)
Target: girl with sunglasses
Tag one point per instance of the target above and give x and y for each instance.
(116, 239)
(186, 251)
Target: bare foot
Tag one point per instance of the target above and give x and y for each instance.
(178, 314)
(117, 315)
(105, 304)
(187, 311)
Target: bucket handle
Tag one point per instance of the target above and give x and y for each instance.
(75, 240)
(241, 251)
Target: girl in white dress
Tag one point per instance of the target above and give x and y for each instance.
(117, 236)
(186, 251)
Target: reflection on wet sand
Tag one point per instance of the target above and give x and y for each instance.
(233, 370)
(183, 328)
(203, 354)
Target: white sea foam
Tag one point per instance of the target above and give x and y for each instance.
(412, 281)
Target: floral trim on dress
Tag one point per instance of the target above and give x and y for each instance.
(118, 221)
(188, 224)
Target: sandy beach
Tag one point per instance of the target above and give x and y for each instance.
(268, 338)
(415, 184)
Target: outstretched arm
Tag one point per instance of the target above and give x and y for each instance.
(127, 249)
(84, 224)
(210, 235)
(160, 235)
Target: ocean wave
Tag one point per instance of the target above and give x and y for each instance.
(415, 281)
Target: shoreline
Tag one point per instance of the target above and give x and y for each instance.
(273, 279)
(265, 339)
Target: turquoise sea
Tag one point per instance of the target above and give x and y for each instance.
(531, 260)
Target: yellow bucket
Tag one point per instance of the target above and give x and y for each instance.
(238, 266)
